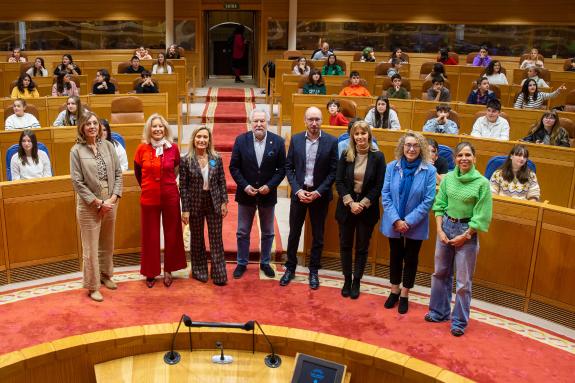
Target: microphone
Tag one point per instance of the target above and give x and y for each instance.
(221, 359)
(172, 356)
(272, 360)
(248, 326)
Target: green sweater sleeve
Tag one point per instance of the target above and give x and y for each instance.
(482, 211)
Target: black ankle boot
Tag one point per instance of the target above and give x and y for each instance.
(391, 300)
(354, 292)
(346, 287)
(403, 305)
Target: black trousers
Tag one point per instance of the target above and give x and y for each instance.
(317, 214)
(354, 226)
(403, 257)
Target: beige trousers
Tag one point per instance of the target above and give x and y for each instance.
(97, 234)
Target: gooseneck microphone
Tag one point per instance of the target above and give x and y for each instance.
(272, 360)
(172, 356)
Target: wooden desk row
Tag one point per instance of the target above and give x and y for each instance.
(59, 141)
(525, 261)
(50, 107)
(414, 113)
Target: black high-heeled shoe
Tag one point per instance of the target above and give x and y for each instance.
(391, 300)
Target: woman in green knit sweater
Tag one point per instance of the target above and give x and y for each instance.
(463, 207)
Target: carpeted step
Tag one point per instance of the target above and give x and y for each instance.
(225, 135)
(230, 95)
(226, 112)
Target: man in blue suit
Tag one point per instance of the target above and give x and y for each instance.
(258, 167)
(311, 165)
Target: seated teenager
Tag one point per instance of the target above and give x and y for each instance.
(72, 113)
(354, 88)
(301, 68)
(143, 54)
(146, 85)
(315, 83)
(492, 125)
(532, 60)
(367, 55)
(395, 67)
(20, 119)
(382, 116)
(548, 131)
(437, 71)
(68, 66)
(161, 66)
(396, 90)
(437, 91)
(16, 56)
(331, 68)
(103, 84)
(322, 53)
(514, 178)
(397, 53)
(29, 162)
(39, 69)
(482, 95)
(482, 58)
(173, 52)
(571, 68)
(531, 98)
(436, 160)
(336, 118)
(533, 73)
(135, 66)
(120, 151)
(494, 74)
(25, 88)
(441, 123)
(64, 86)
(444, 58)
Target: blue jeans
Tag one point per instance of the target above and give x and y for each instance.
(446, 256)
(246, 215)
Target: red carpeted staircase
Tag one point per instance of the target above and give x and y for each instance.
(226, 113)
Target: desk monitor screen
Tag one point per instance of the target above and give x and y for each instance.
(309, 369)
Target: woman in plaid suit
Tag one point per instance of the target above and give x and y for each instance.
(204, 195)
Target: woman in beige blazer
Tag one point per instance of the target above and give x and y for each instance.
(97, 179)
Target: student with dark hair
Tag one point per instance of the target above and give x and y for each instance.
(531, 98)
(514, 178)
(25, 88)
(120, 151)
(492, 125)
(331, 68)
(301, 68)
(482, 95)
(548, 131)
(103, 84)
(494, 74)
(397, 53)
(64, 86)
(482, 58)
(437, 71)
(39, 68)
(135, 66)
(315, 84)
(173, 52)
(354, 88)
(440, 163)
(29, 162)
(395, 67)
(437, 91)
(336, 118)
(444, 58)
(147, 85)
(382, 116)
(68, 66)
(396, 90)
(441, 123)
(16, 56)
(572, 66)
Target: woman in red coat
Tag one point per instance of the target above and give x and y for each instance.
(155, 165)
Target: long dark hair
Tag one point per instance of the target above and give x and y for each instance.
(20, 83)
(22, 153)
(525, 90)
(507, 167)
(381, 121)
(106, 125)
(328, 66)
(313, 72)
(60, 84)
(35, 70)
(555, 129)
(491, 68)
(438, 69)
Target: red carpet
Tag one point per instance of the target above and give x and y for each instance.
(487, 353)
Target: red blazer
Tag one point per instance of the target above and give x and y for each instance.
(158, 177)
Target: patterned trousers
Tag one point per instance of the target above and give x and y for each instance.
(198, 245)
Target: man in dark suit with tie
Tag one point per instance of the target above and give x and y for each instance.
(311, 166)
(258, 167)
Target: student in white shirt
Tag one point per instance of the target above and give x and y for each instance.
(39, 68)
(161, 66)
(20, 119)
(29, 162)
(120, 151)
(492, 125)
(494, 73)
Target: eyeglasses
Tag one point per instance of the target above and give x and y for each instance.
(411, 146)
(549, 118)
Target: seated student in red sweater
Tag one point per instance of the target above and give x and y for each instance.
(444, 57)
(354, 89)
(335, 116)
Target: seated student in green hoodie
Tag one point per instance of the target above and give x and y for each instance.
(315, 84)
(331, 68)
(462, 207)
(396, 90)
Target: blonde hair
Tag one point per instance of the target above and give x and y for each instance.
(147, 135)
(84, 117)
(351, 150)
(421, 141)
(210, 149)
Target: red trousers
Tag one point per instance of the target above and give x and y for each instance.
(174, 253)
